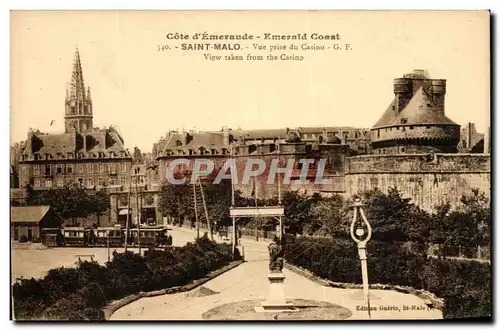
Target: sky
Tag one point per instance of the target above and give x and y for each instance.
(145, 92)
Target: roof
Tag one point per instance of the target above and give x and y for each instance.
(416, 112)
(195, 140)
(88, 143)
(28, 213)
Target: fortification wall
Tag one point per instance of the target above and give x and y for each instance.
(428, 180)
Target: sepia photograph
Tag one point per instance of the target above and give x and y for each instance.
(250, 165)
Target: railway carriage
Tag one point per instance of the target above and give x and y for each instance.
(51, 237)
(151, 236)
(109, 236)
(77, 236)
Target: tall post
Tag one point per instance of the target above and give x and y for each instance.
(107, 243)
(128, 207)
(196, 211)
(357, 236)
(279, 177)
(232, 173)
(234, 235)
(206, 211)
(137, 215)
(281, 228)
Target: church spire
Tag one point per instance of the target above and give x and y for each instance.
(77, 85)
(78, 102)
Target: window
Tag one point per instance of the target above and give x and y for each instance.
(123, 167)
(48, 183)
(90, 182)
(111, 181)
(101, 181)
(111, 168)
(411, 127)
(122, 181)
(80, 182)
(378, 133)
(47, 170)
(101, 168)
(89, 168)
(70, 168)
(96, 168)
(59, 169)
(37, 183)
(36, 170)
(60, 182)
(80, 168)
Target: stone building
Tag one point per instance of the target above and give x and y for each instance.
(83, 154)
(415, 121)
(471, 141)
(268, 145)
(415, 149)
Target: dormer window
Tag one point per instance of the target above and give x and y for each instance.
(404, 120)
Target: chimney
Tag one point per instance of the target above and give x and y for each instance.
(487, 141)
(225, 133)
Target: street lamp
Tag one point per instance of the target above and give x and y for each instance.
(357, 236)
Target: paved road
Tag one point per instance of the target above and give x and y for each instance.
(249, 281)
(34, 260)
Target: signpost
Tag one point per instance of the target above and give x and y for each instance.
(359, 237)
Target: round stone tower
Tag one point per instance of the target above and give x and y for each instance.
(415, 121)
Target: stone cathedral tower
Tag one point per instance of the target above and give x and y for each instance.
(78, 103)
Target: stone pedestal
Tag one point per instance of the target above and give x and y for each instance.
(276, 302)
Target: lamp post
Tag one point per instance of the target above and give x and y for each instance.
(357, 236)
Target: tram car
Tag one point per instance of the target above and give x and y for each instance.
(77, 236)
(51, 237)
(150, 236)
(109, 236)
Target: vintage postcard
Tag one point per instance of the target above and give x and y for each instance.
(250, 165)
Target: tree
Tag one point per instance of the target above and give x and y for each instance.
(330, 217)
(297, 207)
(176, 200)
(98, 204)
(394, 218)
(69, 202)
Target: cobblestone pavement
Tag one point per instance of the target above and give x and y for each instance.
(249, 281)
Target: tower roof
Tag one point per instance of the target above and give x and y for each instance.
(416, 112)
(77, 87)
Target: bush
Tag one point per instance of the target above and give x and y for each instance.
(81, 293)
(465, 286)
